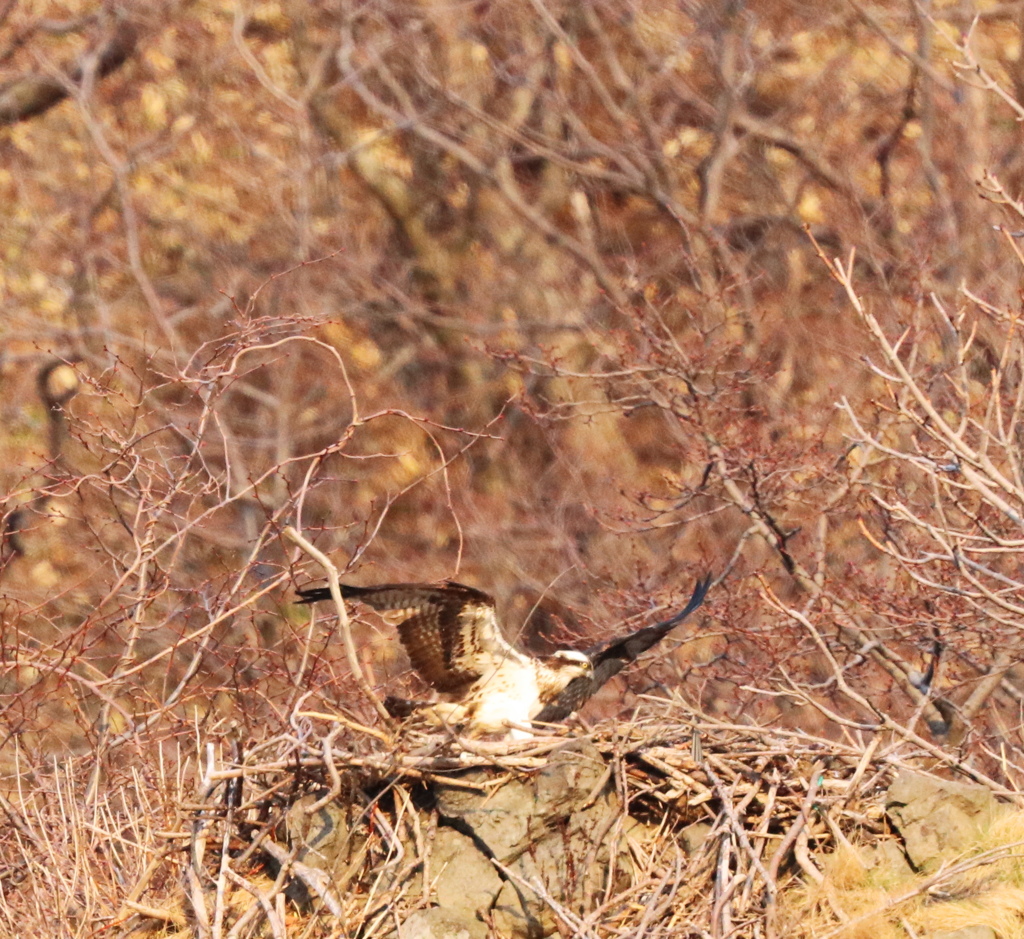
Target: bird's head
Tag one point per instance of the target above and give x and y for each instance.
(571, 664)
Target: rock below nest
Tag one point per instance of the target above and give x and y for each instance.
(439, 923)
(549, 831)
(938, 818)
(502, 847)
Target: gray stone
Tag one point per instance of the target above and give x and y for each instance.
(521, 812)
(887, 859)
(463, 879)
(551, 827)
(325, 839)
(569, 778)
(518, 916)
(439, 923)
(500, 818)
(937, 817)
(693, 836)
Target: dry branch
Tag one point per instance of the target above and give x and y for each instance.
(346, 631)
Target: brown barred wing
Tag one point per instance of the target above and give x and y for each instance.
(447, 629)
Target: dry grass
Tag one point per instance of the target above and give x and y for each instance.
(71, 865)
(875, 900)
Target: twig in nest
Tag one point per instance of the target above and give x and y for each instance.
(151, 912)
(771, 908)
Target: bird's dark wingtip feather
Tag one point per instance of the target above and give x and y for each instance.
(700, 591)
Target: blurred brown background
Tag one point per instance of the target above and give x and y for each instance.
(520, 294)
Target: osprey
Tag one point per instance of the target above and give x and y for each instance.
(451, 634)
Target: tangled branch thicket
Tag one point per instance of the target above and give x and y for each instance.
(720, 829)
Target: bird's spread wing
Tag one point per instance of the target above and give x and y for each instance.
(450, 630)
(611, 657)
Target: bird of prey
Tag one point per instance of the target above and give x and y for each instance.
(453, 639)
